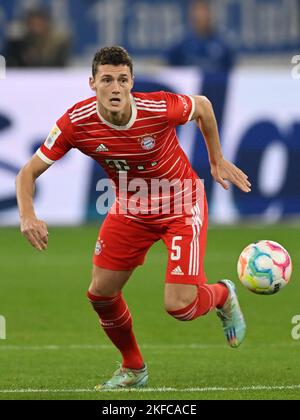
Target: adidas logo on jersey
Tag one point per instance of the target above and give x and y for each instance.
(177, 271)
(102, 148)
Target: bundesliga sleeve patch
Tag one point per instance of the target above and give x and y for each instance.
(52, 137)
(185, 105)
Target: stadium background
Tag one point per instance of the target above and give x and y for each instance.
(257, 108)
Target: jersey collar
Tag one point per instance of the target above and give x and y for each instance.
(130, 122)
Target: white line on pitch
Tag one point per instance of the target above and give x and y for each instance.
(164, 389)
(107, 346)
(143, 346)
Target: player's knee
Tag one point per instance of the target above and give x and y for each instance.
(100, 285)
(108, 283)
(178, 297)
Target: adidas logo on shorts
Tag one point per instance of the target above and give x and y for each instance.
(177, 271)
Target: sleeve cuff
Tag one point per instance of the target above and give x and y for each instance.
(193, 107)
(43, 157)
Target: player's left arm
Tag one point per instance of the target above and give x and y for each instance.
(221, 169)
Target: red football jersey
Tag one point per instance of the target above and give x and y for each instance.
(146, 148)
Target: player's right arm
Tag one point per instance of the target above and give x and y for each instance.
(57, 144)
(34, 230)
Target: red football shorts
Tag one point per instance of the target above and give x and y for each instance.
(123, 243)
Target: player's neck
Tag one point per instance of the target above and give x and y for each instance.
(118, 117)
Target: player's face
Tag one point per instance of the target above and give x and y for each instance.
(112, 85)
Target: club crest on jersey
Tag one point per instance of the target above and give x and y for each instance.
(147, 142)
(53, 135)
(98, 247)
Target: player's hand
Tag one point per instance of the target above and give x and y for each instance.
(224, 170)
(36, 232)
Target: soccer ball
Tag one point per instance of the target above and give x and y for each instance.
(264, 267)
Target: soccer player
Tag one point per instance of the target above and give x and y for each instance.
(133, 135)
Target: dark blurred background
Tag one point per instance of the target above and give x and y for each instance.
(244, 55)
(150, 28)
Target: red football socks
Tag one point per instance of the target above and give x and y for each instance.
(210, 296)
(116, 321)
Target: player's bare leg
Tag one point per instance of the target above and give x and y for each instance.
(108, 282)
(179, 296)
(106, 298)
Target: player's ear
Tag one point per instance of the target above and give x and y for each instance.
(132, 81)
(92, 83)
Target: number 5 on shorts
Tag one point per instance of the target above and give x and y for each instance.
(176, 254)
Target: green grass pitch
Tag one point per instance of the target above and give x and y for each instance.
(55, 349)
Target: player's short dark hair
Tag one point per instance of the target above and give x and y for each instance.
(112, 55)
